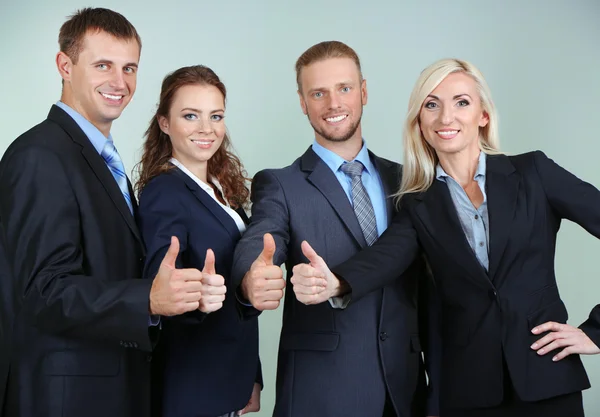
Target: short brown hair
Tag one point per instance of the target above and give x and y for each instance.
(224, 165)
(322, 51)
(73, 31)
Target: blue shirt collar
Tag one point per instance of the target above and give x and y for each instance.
(334, 161)
(441, 175)
(94, 135)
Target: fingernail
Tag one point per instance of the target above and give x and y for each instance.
(535, 345)
(554, 359)
(535, 330)
(541, 351)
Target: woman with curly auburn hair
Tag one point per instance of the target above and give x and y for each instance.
(193, 187)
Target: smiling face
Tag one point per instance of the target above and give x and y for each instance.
(195, 125)
(332, 96)
(452, 114)
(102, 82)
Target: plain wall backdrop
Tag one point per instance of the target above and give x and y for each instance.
(541, 59)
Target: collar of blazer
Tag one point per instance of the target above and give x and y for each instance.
(98, 166)
(435, 209)
(327, 183)
(211, 205)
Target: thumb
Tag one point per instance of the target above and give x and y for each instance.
(311, 255)
(209, 263)
(268, 249)
(172, 253)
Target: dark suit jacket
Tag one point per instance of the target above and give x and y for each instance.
(206, 364)
(334, 362)
(486, 316)
(77, 328)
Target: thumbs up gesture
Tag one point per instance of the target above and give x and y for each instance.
(263, 284)
(213, 286)
(314, 283)
(175, 291)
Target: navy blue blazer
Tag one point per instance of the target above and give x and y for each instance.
(205, 364)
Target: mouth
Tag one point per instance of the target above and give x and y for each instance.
(447, 134)
(336, 119)
(113, 98)
(202, 143)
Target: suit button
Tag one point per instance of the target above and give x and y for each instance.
(122, 343)
(493, 294)
(134, 345)
(383, 336)
(149, 358)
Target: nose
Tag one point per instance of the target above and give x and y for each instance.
(117, 80)
(447, 115)
(334, 101)
(204, 125)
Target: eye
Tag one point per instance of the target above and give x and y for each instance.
(129, 70)
(318, 94)
(431, 105)
(190, 116)
(462, 103)
(345, 89)
(217, 117)
(102, 66)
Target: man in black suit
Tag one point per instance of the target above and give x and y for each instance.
(364, 360)
(80, 324)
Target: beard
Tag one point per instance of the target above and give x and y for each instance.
(342, 136)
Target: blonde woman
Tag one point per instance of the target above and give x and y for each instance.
(487, 224)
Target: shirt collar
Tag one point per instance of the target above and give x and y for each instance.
(441, 175)
(93, 134)
(334, 161)
(197, 180)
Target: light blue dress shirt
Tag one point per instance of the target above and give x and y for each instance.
(370, 179)
(474, 221)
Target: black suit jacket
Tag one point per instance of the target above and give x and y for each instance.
(206, 364)
(77, 329)
(334, 362)
(485, 316)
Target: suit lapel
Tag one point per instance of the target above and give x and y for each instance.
(97, 165)
(207, 201)
(327, 183)
(502, 186)
(437, 213)
(390, 178)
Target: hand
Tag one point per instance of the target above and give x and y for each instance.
(254, 403)
(314, 283)
(175, 291)
(572, 339)
(263, 284)
(213, 286)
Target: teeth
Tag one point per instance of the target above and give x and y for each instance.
(111, 97)
(448, 132)
(337, 118)
(202, 142)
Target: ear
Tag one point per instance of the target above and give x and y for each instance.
(363, 92)
(484, 120)
(64, 65)
(163, 123)
(302, 103)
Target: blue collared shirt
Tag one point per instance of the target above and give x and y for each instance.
(370, 178)
(98, 140)
(474, 221)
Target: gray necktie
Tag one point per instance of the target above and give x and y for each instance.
(361, 201)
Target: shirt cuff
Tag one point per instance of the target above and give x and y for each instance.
(340, 303)
(154, 321)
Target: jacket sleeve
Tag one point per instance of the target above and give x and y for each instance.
(41, 219)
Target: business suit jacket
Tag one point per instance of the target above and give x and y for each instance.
(77, 330)
(334, 362)
(206, 364)
(486, 316)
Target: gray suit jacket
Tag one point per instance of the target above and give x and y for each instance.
(334, 362)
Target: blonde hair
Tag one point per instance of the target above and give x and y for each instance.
(420, 158)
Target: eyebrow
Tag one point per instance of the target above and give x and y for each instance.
(453, 98)
(340, 84)
(108, 61)
(200, 111)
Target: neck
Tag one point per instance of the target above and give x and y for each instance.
(70, 101)
(199, 169)
(347, 149)
(460, 165)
